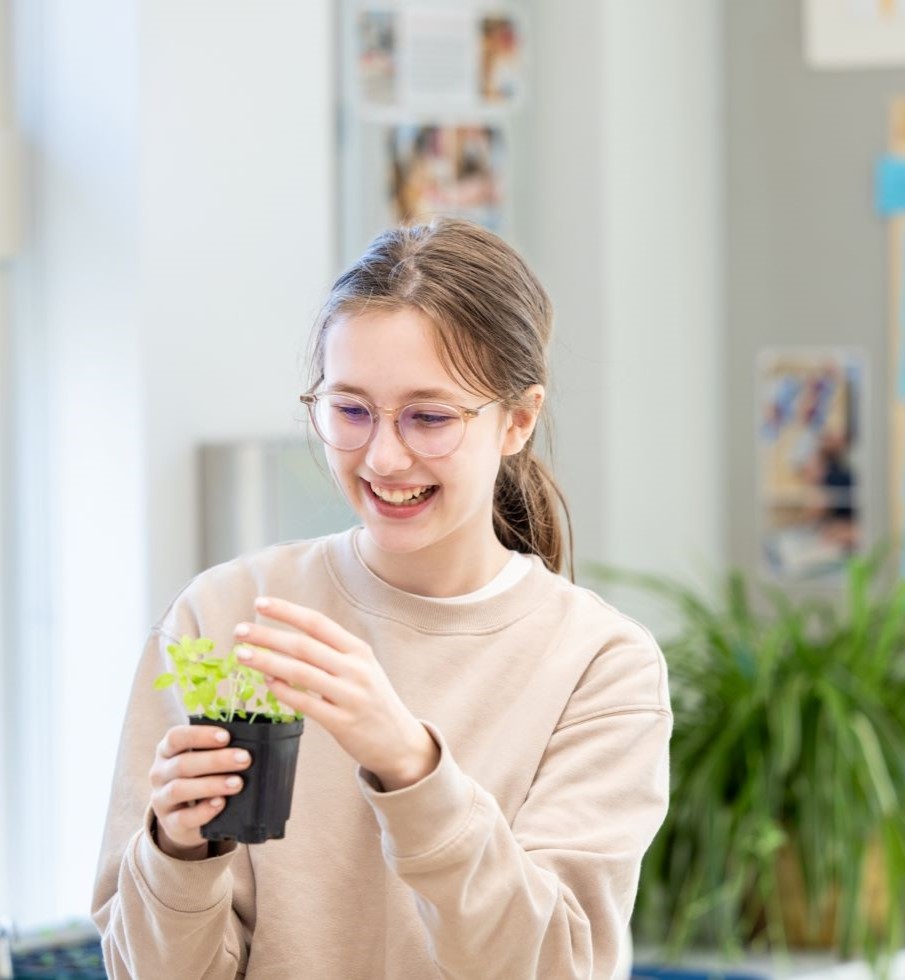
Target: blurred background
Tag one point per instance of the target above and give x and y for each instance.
(698, 184)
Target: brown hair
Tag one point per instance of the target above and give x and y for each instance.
(493, 321)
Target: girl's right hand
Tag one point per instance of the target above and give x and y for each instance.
(191, 776)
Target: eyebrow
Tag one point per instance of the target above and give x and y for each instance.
(416, 394)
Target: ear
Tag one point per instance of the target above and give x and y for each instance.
(520, 421)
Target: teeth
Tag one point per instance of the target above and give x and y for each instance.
(398, 496)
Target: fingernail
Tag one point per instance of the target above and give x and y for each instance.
(216, 801)
(241, 757)
(221, 736)
(233, 781)
(262, 603)
(242, 629)
(243, 653)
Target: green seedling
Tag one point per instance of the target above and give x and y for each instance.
(220, 688)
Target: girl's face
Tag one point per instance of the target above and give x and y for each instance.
(390, 359)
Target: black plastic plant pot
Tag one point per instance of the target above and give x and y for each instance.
(260, 810)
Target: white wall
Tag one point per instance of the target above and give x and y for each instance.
(568, 242)
(662, 388)
(78, 547)
(180, 231)
(627, 235)
(6, 251)
(238, 242)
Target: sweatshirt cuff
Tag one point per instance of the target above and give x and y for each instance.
(181, 886)
(427, 824)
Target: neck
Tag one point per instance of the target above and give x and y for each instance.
(434, 573)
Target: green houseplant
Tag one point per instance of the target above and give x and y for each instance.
(224, 692)
(787, 817)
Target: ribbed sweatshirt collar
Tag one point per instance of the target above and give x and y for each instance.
(362, 588)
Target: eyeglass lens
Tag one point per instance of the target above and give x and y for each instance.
(346, 422)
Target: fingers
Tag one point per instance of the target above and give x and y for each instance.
(181, 738)
(179, 830)
(298, 674)
(317, 708)
(190, 781)
(183, 826)
(189, 765)
(315, 624)
(296, 645)
(180, 793)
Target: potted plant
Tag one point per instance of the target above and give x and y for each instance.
(786, 824)
(227, 693)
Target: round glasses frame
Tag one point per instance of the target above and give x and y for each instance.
(465, 415)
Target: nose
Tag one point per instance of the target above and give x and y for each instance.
(387, 453)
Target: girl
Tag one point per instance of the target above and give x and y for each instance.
(486, 756)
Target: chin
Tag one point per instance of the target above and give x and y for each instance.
(395, 541)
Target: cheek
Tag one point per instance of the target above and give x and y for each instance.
(338, 467)
(479, 477)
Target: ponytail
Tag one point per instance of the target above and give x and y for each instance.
(526, 504)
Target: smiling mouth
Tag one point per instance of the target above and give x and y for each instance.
(402, 498)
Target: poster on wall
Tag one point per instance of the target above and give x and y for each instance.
(811, 462)
(854, 33)
(501, 59)
(414, 59)
(452, 170)
(377, 57)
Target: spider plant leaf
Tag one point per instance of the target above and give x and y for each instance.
(876, 766)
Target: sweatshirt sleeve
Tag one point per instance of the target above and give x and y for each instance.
(159, 916)
(552, 894)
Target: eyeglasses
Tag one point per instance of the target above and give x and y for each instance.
(431, 429)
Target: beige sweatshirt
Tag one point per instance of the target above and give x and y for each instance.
(516, 858)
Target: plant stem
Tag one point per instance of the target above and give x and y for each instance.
(234, 696)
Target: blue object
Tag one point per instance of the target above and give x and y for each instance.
(890, 185)
(72, 961)
(640, 972)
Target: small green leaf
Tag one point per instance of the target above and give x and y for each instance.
(207, 692)
(164, 680)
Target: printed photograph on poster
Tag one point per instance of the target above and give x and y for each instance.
(501, 58)
(377, 44)
(811, 461)
(854, 33)
(452, 170)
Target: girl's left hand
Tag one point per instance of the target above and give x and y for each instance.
(334, 678)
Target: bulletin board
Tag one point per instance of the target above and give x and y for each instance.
(853, 34)
(891, 202)
(431, 95)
